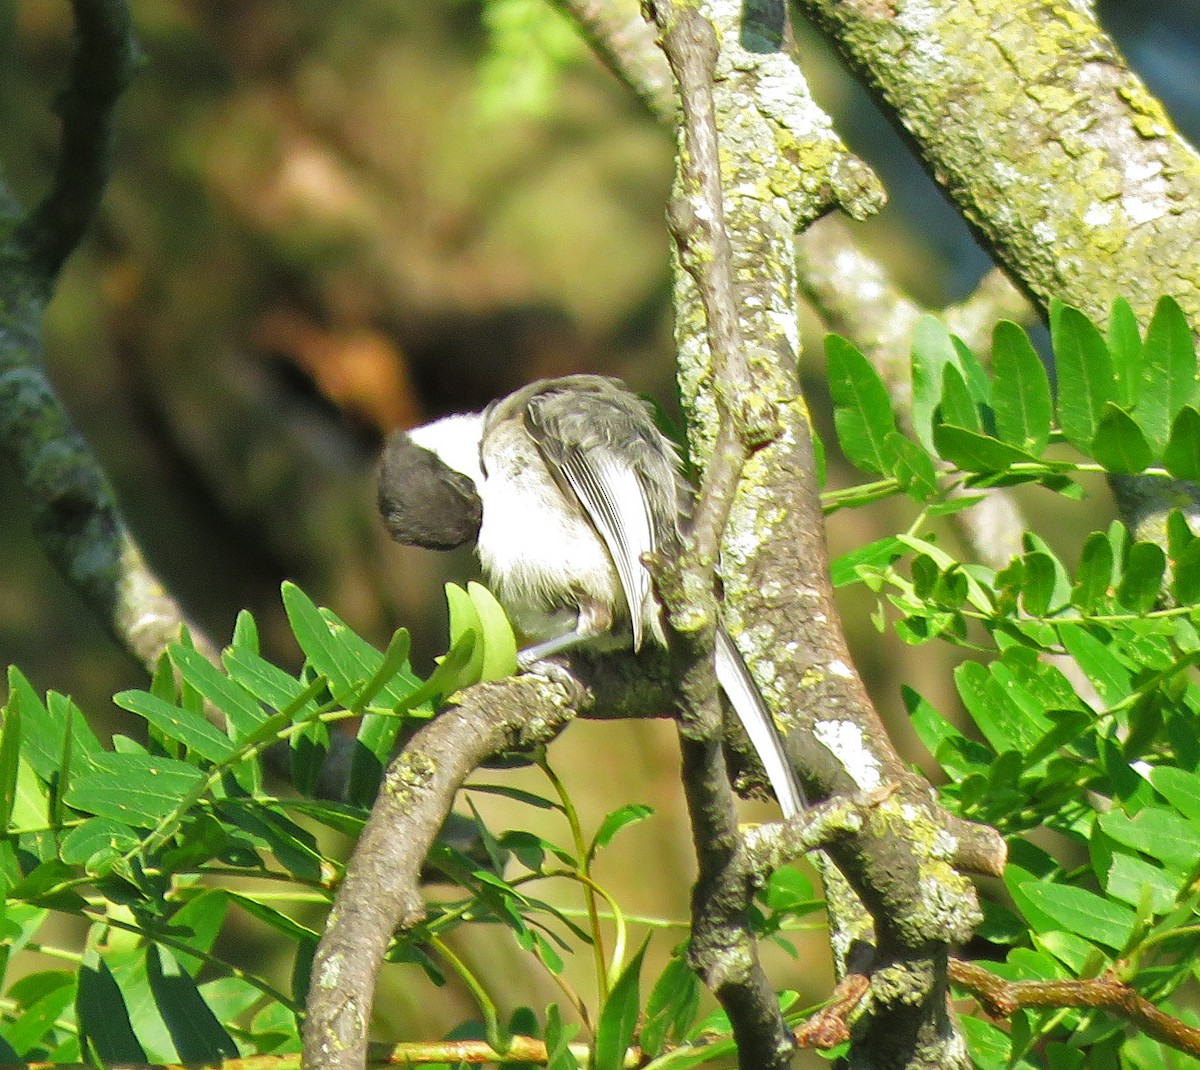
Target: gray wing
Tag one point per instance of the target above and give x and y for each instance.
(600, 443)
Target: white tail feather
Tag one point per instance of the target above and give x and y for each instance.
(735, 681)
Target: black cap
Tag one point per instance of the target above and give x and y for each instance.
(423, 501)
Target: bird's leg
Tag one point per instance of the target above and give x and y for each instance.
(540, 651)
(595, 618)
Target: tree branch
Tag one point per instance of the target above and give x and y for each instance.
(101, 68)
(1100, 194)
(75, 513)
(381, 891)
(1002, 999)
(780, 171)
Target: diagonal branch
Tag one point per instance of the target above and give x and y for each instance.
(75, 513)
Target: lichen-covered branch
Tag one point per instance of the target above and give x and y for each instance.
(381, 891)
(780, 170)
(75, 514)
(1058, 155)
(722, 950)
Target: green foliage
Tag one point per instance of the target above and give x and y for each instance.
(1079, 700)
(159, 844)
(1080, 687)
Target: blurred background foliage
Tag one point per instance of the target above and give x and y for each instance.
(328, 220)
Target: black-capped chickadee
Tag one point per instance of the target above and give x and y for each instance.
(565, 485)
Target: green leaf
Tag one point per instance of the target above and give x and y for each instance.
(1180, 788)
(1082, 912)
(10, 758)
(1099, 664)
(614, 822)
(102, 1015)
(183, 726)
(281, 923)
(1185, 583)
(912, 467)
(136, 789)
(875, 555)
(974, 452)
(199, 921)
(558, 1039)
(97, 842)
(499, 642)
(464, 620)
(1131, 879)
(997, 718)
(1157, 832)
(618, 1019)
(1168, 372)
(933, 349)
(671, 1006)
(239, 706)
(1038, 583)
(1086, 380)
(1119, 444)
(957, 406)
(46, 725)
(1095, 574)
(325, 654)
(1125, 345)
(1140, 587)
(197, 1035)
(245, 633)
(862, 411)
(1020, 391)
(1182, 454)
(270, 830)
(44, 997)
(268, 683)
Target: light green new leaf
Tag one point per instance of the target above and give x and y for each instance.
(464, 620)
(862, 411)
(499, 642)
(1168, 372)
(1020, 391)
(1086, 380)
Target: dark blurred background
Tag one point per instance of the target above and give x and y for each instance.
(328, 220)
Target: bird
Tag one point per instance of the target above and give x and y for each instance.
(566, 486)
